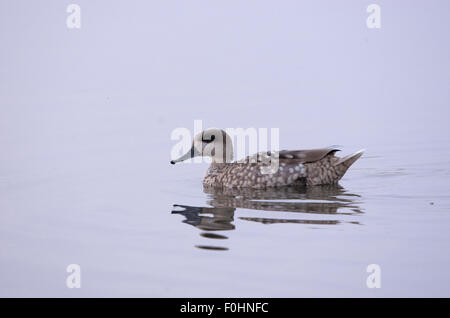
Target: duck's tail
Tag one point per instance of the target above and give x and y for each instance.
(344, 163)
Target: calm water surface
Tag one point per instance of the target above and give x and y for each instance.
(152, 230)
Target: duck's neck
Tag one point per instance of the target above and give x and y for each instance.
(223, 150)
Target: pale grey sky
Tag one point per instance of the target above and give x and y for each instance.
(312, 68)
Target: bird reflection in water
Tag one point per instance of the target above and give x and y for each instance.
(333, 202)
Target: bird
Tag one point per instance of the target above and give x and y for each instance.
(309, 167)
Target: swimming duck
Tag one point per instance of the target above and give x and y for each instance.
(293, 167)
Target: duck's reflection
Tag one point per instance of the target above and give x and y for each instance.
(333, 202)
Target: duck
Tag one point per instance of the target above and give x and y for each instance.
(310, 167)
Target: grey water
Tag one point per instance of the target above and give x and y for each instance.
(86, 118)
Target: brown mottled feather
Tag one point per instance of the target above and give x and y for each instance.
(297, 167)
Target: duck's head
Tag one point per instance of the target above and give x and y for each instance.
(214, 143)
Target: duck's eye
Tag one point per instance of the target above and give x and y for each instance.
(209, 140)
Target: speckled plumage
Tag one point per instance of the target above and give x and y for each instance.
(292, 171)
(295, 168)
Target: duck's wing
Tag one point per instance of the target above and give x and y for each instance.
(297, 156)
(308, 155)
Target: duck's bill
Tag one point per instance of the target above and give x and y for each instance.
(188, 155)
